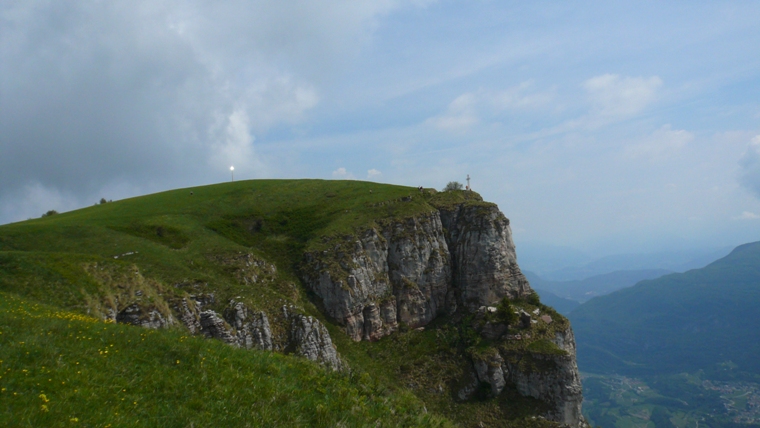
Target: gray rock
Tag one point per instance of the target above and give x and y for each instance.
(483, 254)
(214, 327)
(493, 331)
(251, 327)
(429, 263)
(469, 388)
(144, 317)
(489, 371)
(310, 339)
(188, 315)
(558, 384)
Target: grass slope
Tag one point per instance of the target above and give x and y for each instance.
(701, 319)
(159, 248)
(59, 368)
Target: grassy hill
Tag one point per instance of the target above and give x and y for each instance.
(60, 273)
(703, 319)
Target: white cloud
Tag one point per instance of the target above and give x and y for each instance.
(460, 115)
(746, 215)
(373, 174)
(155, 92)
(234, 146)
(470, 108)
(749, 167)
(342, 174)
(661, 144)
(616, 97)
(520, 98)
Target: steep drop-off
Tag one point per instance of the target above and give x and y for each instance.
(292, 266)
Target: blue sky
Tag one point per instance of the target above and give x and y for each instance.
(610, 127)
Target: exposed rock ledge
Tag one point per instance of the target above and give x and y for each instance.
(412, 270)
(454, 259)
(245, 328)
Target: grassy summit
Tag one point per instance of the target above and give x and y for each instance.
(209, 241)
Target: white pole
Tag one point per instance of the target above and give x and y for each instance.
(232, 172)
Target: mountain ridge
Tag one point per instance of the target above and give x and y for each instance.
(263, 265)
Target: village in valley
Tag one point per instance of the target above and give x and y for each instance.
(622, 401)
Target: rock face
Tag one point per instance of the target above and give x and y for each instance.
(557, 383)
(457, 258)
(251, 327)
(484, 260)
(309, 338)
(412, 270)
(214, 327)
(245, 328)
(138, 315)
(490, 371)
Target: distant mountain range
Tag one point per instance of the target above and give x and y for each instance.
(704, 319)
(582, 290)
(554, 263)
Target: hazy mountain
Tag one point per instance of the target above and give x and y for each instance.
(703, 319)
(543, 258)
(562, 305)
(582, 290)
(557, 263)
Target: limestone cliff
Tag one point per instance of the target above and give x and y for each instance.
(553, 378)
(412, 270)
(454, 260)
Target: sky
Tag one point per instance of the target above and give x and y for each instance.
(609, 127)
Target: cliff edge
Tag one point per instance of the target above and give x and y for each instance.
(458, 261)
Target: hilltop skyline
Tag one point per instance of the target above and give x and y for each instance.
(612, 128)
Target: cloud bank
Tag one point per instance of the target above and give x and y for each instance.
(749, 164)
(158, 93)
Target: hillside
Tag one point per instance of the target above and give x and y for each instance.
(388, 288)
(703, 319)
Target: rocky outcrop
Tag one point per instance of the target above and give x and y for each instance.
(399, 273)
(310, 339)
(251, 327)
(188, 315)
(240, 327)
(457, 258)
(483, 255)
(412, 270)
(214, 327)
(245, 328)
(552, 378)
(138, 315)
(491, 371)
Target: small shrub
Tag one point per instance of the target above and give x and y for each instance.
(533, 299)
(103, 201)
(453, 185)
(49, 213)
(504, 312)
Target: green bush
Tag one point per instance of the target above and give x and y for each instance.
(504, 312)
(453, 185)
(533, 299)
